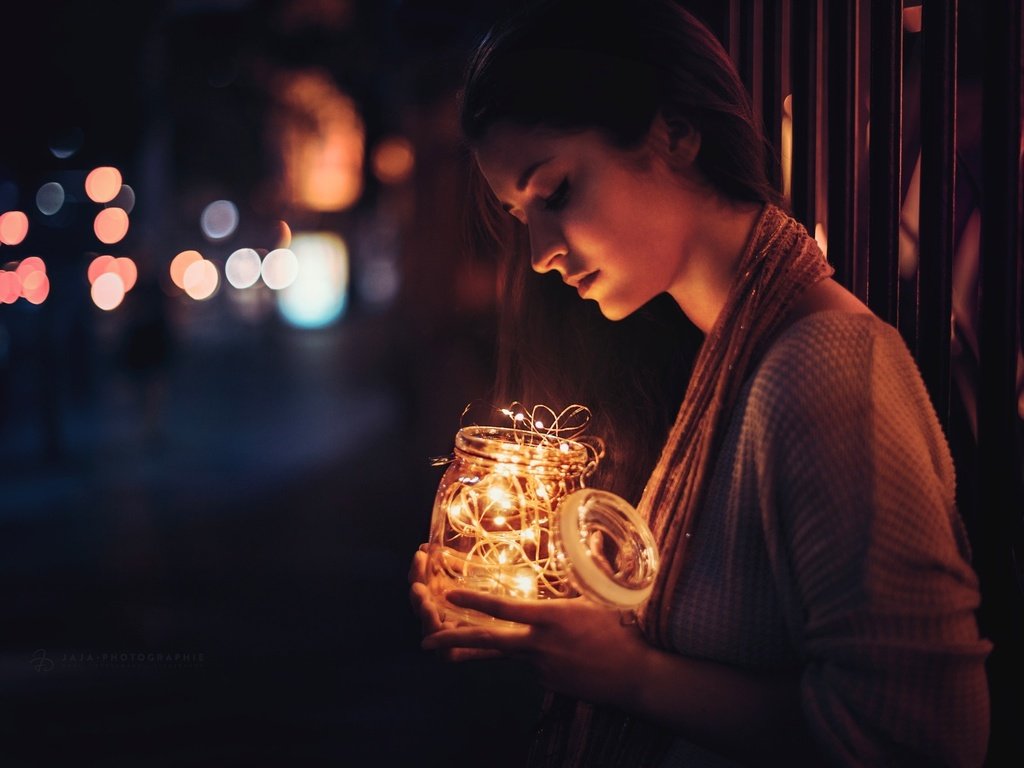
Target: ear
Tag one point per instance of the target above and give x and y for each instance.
(683, 141)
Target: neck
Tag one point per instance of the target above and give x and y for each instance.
(713, 254)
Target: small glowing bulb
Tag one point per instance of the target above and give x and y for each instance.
(525, 584)
(503, 557)
(563, 447)
(529, 535)
(520, 417)
(499, 519)
(538, 424)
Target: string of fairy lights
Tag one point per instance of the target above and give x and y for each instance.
(494, 513)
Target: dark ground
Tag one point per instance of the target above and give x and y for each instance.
(230, 589)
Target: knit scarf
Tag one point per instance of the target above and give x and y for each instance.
(778, 263)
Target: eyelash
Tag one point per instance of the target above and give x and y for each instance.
(556, 200)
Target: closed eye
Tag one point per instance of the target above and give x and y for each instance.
(557, 200)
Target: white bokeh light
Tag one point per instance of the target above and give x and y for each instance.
(219, 220)
(280, 268)
(318, 295)
(242, 268)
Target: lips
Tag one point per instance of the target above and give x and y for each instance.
(583, 281)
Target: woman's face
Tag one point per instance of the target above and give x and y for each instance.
(613, 223)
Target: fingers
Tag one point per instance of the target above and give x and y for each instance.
(503, 640)
(418, 567)
(517, 610)
(423, 603)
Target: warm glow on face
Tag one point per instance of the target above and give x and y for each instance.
(182, 262)
(102, 184)
(13, 227)
(111, 225)
(201, 280)
(322, 141)
(108, 291)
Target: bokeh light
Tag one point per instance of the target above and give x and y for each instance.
(322, 141)
(125, 198)
(50, 198)
(201, 279)
(98, 266)
(129, 273)
(111, 225)
(318, 295)
(65, 144)
(102, 184)
(284, 239)
(13, 227)
(179, 265)
(35, 287)
(280, 268)
(242, 269)
(219, 220)
(393, 159)
(10, 287)
(108, 291)
(29, 265)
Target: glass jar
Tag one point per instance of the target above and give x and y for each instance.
(512, 517)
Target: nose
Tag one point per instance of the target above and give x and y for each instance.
(547, 245)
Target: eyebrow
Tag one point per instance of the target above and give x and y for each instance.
(524, 178)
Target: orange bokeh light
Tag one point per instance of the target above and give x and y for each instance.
(201, 280)
(99, 266)
(13, 227)
(35, 287)
(10, 287)
(127, 270)
(30, 265)
(111, 225)
(180, 263)
(393, 159)
(102, 184)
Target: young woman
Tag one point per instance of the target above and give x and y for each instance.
(815, 602)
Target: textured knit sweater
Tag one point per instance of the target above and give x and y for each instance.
(830, 544)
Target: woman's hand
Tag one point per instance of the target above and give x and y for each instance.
(578, 647)
(420, 596)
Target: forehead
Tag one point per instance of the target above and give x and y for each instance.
(506, 153)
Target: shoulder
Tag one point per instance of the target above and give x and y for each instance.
(829, 354)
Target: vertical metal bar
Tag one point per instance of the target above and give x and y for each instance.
(752, 70)
(843, 176)
(938, 185)
(885, 150)
(804, 73)
(733, 40)
(773, 83)
(999, 448)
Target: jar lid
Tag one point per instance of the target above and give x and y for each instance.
(610, 550)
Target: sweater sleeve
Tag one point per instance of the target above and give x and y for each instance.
(868, 551)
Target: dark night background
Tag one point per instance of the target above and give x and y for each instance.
(207, 512)
(204, 549)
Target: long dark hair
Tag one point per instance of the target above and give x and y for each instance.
(611, 66)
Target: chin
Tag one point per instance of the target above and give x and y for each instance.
(615, 312)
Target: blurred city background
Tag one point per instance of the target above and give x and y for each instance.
(236, 323)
